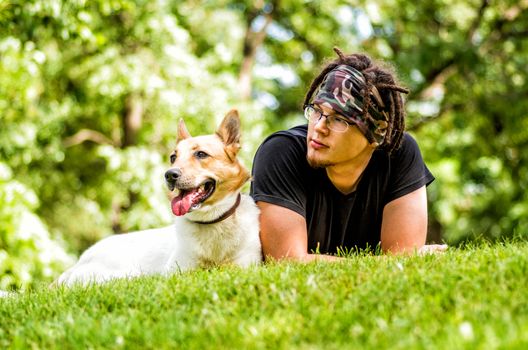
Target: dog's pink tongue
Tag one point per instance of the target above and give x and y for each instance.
(183, 203)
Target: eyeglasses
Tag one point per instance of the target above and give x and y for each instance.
(333, 122)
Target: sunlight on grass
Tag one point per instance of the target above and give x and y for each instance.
(473, 297)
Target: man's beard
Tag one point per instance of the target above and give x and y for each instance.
(317, 164)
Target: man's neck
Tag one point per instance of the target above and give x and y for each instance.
(345, 176)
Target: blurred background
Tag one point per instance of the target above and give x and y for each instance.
(91, 92)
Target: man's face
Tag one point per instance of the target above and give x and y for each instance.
(330, 148)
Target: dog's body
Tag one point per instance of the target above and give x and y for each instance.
(179, 247)
(215, 224)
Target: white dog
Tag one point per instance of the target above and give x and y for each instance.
(214, 223)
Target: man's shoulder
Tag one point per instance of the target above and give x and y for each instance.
(292, 140)
(409, 140)
(297, 132)
(280, 170)
(408, 146)
(405, 156)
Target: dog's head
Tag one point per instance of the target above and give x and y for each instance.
(205, 169)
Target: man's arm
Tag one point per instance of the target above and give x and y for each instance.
(404, 223)
(283, 234)
(404, 229)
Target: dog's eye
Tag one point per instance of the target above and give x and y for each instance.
(200, 154)
(172, 158)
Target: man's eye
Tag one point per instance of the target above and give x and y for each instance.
(201, 155)
(172, 158)
(317, 113)
(337, 120)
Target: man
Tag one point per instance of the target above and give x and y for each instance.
(351, 179)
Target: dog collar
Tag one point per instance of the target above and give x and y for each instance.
(224, 215)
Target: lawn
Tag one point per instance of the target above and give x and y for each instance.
(468, 298)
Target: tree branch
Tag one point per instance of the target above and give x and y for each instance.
(440, 73)
(510, 15)
(478, 20)
(85, 135)
(515, 34)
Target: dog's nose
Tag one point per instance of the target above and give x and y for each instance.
(172, 175)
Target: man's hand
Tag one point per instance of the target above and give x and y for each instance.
(432, 249)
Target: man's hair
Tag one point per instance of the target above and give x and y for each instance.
(384, 79)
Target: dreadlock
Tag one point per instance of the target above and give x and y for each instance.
(384, 80)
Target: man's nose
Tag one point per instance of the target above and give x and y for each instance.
(321, 125)
(171, 176)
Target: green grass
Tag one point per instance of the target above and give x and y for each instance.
(469, 298)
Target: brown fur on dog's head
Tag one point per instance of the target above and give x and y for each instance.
(210, 157)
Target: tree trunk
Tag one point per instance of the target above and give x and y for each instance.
(252, 42)
(132, 121)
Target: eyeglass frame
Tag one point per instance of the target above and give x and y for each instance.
(327, 122)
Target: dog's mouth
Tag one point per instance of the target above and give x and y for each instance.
(191, 198)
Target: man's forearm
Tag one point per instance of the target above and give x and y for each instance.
(426, 249)
(307, 258)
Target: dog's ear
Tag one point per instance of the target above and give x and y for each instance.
(183, 133)
(229, 133)
(229, 129)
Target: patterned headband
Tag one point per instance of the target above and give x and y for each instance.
(342, 90)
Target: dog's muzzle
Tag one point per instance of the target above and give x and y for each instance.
(171, 176)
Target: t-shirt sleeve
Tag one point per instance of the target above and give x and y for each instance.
(408, 170)
(278, 173)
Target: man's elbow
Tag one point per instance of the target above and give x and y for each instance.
(397, 249)
(290, 254)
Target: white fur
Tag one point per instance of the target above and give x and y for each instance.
(180, 247)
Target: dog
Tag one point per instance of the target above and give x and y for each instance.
(215, 224)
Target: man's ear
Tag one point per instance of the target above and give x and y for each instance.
(229, 132)
(183, 133)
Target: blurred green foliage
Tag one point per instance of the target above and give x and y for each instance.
(27, 251)
(91, 92)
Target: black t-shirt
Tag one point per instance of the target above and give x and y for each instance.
(282, 176)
